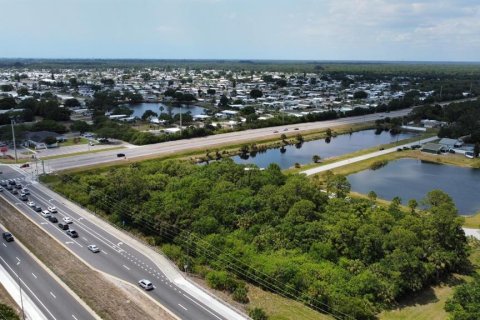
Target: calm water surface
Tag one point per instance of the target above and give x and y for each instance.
(340, 145)
(413, 179)
(140, 108)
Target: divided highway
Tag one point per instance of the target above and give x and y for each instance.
(116, 257)
(178, 146)
(53, 300)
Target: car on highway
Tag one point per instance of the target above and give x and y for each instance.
(72, 233)
(63, 226)
(18, 186)
(67, 220)
(9, 188)
(53, 219)
(120, 155)
(15, 191)
(25, 165)
(23, 197)
(296, 129)
(11, 182)
(8, 236)
(37, 209)
(276, 131)
(286, 129)
(3, 183)
(31, 204)
(52, 209)
(46, 213)
(145, 284)
(25, 191)
(93, 248)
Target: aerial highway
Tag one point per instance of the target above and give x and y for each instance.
(53, 301)
(173, 147)
(119, 255)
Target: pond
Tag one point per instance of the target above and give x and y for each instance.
(140, 108)
(413, 179)
(340, 145)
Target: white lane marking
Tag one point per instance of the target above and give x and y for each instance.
(120, 243)
(33, 274)
(73, 316)
(126, 267)
(43, 223)
(4, 245)
(198, 304)
(104, 252)
(84, 238)
(33, 294)
(182, 307)
(18, 259)
(68, 242)
(53, 294)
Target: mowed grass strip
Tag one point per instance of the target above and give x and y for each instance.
(106, 299)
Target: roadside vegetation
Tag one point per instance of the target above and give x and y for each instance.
(342, 256)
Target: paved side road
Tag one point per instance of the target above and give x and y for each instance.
(472, 232)
(362, 157)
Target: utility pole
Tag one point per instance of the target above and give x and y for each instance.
(14, 144)
(180, 118)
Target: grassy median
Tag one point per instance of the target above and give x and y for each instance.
(108, 300)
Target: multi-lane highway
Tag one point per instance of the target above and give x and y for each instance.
(52, 300)
(117, 257)
(173, 147)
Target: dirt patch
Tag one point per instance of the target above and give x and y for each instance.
(106, 298)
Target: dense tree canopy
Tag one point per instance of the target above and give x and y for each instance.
(280, 232)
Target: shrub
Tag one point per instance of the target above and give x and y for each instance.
(257, 314)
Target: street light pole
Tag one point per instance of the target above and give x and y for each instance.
(14, 144)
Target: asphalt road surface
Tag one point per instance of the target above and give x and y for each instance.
(50, 297)
(115, 257)
(173, 147)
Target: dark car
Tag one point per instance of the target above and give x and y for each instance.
(37, 209)
(9, 187)
(8, 236)
(25, 165)
(18, 186)
(72, 233)
(3, 183)
(14, 191)
(23, 198)
(53, 219)
(120, 155)
(12, 182)
(63, 226)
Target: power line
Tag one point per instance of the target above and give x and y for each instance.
(234, 265)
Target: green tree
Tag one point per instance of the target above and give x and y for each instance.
(23, 91)
(465, 303)
(80, 126)
(412, 204)
(148, 114)
(339, 185)
(316, 158)
(257, 314)
(372, 196)
(256, 93)
(360, 95)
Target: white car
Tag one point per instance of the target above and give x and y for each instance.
(93, 248)
(67, 220)
(145, 284)
(52, 209)
(31, 204)
(46, 213)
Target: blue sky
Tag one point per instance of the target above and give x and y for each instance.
(400, 30)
